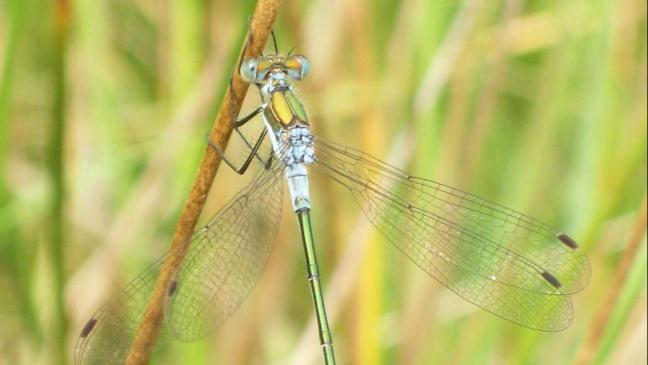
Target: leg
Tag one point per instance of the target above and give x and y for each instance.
(230, 89)
(241, 122)
(268, 163)
(237, 124)
(248, 159)
(250, 146)
(234, 113)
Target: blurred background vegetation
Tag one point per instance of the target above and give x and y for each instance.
(537, 104)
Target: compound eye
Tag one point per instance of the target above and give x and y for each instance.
(249, 70)
(297, 66)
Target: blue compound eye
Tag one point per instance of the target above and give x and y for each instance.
(297, 66)
(249, 70)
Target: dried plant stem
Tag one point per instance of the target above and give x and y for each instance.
(588, 349)
(149, 328)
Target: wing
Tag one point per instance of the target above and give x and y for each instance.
(503, 261)
(224, 262)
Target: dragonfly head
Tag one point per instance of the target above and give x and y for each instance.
(259, 70)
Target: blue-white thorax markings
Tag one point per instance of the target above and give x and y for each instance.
(284, 117)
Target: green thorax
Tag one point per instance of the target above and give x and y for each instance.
(284, 110)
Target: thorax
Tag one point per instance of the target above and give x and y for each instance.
(287, 122)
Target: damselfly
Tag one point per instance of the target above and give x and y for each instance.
(505, 262)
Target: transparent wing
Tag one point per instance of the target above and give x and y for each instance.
(106, 337)
(226, 258)
(503, 261)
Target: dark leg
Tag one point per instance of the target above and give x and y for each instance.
(249, 145)
(240, 170)
(241, 122)
(230, 89)
(268, 163)
(237, 124)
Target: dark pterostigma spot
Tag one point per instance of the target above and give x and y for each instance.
(172, 288)
(567, 240)
(88, 328)
(551, 279)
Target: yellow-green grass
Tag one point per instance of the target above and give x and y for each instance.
(538, 105)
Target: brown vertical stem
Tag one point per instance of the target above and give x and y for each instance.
(149, 328)
(588, 349)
